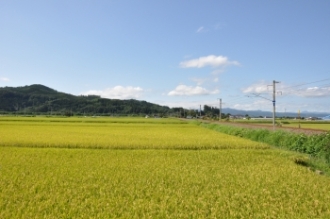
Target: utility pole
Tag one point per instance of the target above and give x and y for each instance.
(274, 101)
(220, 105)
(299, 119)
(200, 110)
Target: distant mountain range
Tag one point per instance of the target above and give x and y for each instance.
(257, 113)
(39, 99)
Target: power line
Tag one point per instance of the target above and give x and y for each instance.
(327, 79)
(300, 90)
(232, 100)
(290, 90)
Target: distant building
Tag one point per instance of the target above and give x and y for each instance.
(236, 117)
(262, 118)
(312, 118)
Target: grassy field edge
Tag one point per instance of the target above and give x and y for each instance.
(316, 146)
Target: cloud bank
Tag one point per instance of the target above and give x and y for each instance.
(4, 79)
(313, 92)
(263, 87)
(184, 90)
(258, 88)
(211, 60)
(118, 92)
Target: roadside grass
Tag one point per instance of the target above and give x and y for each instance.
(316, 146)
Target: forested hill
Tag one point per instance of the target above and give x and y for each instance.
(39, 99)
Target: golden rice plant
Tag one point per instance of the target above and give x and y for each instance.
(85, 183)
(117, 136)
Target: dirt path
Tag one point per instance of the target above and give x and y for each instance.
(261, 126)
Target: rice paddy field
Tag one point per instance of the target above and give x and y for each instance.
(306, 125)
(148, 168)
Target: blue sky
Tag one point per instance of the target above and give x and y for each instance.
(173, 53)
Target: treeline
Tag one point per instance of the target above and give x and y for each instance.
(207, 112)
(39, 99)
(213, 112)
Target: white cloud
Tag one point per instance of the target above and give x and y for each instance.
(264, 87)
(118, 92)
(253, 104)
(261, 87)
(211, 60)
(219, 26)
(218, 71)
(214, 27)
(199, 81)
(281, 107)
(184, 90)
(200, 29)
(4, 79)
(312, 92)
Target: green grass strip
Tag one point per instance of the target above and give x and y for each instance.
(317, 145)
